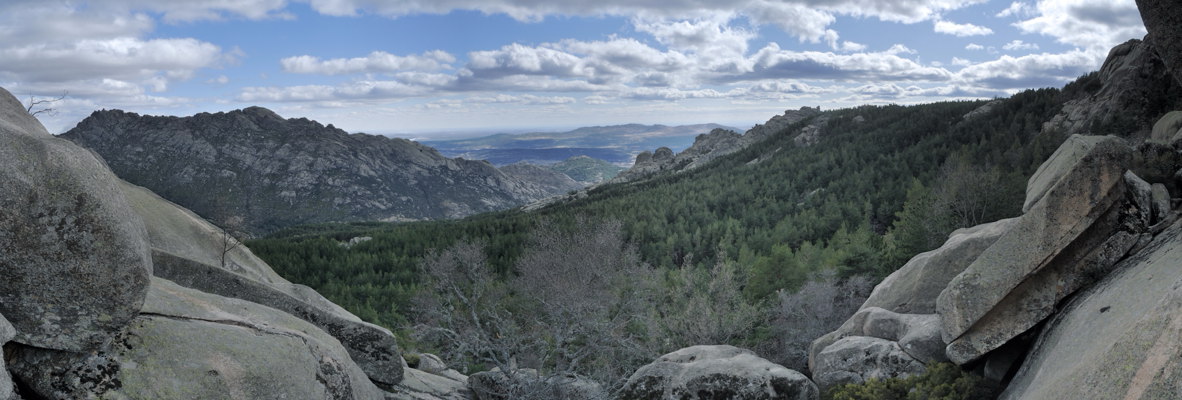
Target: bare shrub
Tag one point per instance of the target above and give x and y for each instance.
(819, 307)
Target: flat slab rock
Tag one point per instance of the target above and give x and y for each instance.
(717, 372)
(193, 345)
(1119, 339)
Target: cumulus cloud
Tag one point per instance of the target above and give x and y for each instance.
(1031, 70)
(1017, 45)
(375, 62)
(98, 49)
(961, 30)
(772, 62)
(1095, 24)
(806, 19)
(974, 47)
(120, 57)
(1017, 9)
(357, 90)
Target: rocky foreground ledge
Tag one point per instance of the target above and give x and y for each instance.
(112, 292)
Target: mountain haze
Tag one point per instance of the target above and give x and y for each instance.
(615, 144)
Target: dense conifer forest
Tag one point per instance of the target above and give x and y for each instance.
(882, 184)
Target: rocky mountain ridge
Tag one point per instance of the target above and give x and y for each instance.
(253, 171)
(717, 143)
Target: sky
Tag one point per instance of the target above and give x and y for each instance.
(445, 68)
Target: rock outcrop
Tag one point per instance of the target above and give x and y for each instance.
(913, 288)
(1072, 231)
(716, 372)
(1120, 339)
(720, 142)
(876, 344)
(540, 182)
(779, 122)
(90, 321)
(252, 171)
(74, 255)
(188, 251)
(1132, 89)
(186, 344)
(994, 285)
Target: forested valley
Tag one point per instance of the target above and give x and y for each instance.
(766, 248)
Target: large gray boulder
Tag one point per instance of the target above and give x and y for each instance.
(876, 343)
(74, 255)
(913, 288)
(192, 345)
(1163, 20)
(188, 251)
(716, 372)
(1119, 339)
(856, 359)
(1066, 238)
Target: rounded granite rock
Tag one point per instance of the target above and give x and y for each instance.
(74, 256)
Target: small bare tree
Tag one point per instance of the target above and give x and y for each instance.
(575, 307)
(707, 306)
(229, 241)
(39, 106)
(817, 308)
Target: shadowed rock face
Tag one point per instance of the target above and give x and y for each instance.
(1163, 20)
(253, 171)
(73, 253)
(1134, 89)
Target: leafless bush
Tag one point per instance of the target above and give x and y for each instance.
(819, 307)
(575, 306)
(707, 307)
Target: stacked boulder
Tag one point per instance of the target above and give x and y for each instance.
(112, 292)
(989, 288)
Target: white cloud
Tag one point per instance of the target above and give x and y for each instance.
(851, 47)
(1020, 45)
(1095, 24)
(1031, 70)
(974, 47)
(1017, 9)
(375, 62)
(358, 90)
(220, 80)
(805, 19)
(961, 62)
(91, 46)
(771, 62)
(961, 30)
(122, 58)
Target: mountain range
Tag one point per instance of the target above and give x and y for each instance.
(253, 171)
